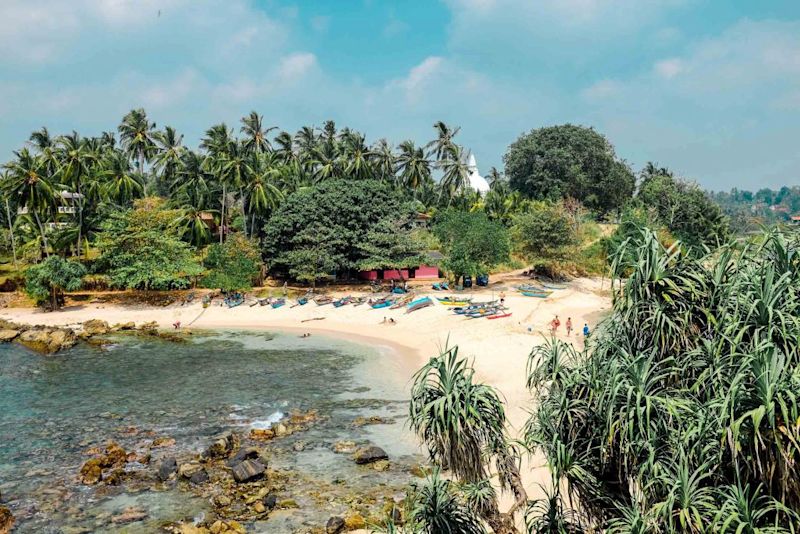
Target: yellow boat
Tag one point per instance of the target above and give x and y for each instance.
(452, 301)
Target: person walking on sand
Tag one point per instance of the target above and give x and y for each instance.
(585, 330)
(569, 326)
(502, 298)
(554, 324)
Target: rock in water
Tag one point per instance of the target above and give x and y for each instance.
(367, 455)
(222, 446)
(47, 340)
(188, 469)
(270, 501)
(124, 326)
(129, 515)
(96, 327)
(335, 525)
(6, 520)
(166, 468)
(91, 472)
(246, 453)
(8, 335)
(115, 456)
(248, 470)
(344, 447)
(199, 477)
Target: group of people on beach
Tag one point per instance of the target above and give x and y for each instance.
(556, 323)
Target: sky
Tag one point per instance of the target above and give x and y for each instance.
(708, 88)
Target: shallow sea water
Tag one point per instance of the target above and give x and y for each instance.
(52, 409)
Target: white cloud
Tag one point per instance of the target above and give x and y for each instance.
(602, 89)
(668, 68)
(296, 65)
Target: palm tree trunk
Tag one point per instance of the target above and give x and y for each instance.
(222, 215)
(41, 229)
(11, 231)
(244, 215)
(80, 219)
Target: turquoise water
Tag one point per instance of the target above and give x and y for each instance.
(52, 409)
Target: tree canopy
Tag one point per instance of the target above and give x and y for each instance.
(233, 265)
(472, 244)
(569, 161)
(545, 231)
(49, 279)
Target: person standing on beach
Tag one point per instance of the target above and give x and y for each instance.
(569, 326)
(585, 330)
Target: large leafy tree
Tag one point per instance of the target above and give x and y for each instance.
(545, 231)
(233, 265)
(48, 280)
(472, 244)
(141, 248)
(333, 218)
(569, 161)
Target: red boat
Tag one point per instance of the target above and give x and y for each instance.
(500, 316)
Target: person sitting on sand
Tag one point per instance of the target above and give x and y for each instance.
(176, 325)
(392, 321)
(384, 320)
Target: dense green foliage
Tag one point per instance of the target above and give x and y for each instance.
(472, 244)
(682, 415)
(748, 211)
(683, 208)
(233, 265)
(49, 279)
(569, 161)
(345, 222)
(545, 231)
(140, 249)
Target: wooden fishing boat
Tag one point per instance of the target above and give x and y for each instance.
(323, 300)
(358, 301)
(277, 303)
(234, 300)
(399, 303)
(302, 301)
(399, 291)
(264, 302)
(554, 286)
(453, 301)
(341, 302)
(418, 304)
(500, 315)
(381, 303)
(537, 294)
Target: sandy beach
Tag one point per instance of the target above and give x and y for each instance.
(499, 347)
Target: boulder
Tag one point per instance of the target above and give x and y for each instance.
(367, 455)
(96, 327)
(188, 469)
(247, 453)
(167, 468)
(248, 470)
(259, 507)
(335, 525)
(91, 472)
(124, 326)
(8, 335)
(149, 326)
(229, 527)
(45, 340)
(6, 520)
(380, 465)
(354, 521)
(199, 477)
(222, 446)
(262, 434)
(114, 456)
(344, 447)
(270, 501)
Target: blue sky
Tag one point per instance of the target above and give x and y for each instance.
(708, 88)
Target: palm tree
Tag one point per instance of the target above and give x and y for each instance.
(262, 192)
(413, 165)
(255, 138)
(167, 158)
(383, 161)
(356, 156)
(121, 184)
(495, 178)
(443, 144)
(220, 144)
(31, 186)
(76, 160)
(136, 135)
(455, 177)
(4, 181)
(462, 424)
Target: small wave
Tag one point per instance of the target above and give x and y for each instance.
(263, 424)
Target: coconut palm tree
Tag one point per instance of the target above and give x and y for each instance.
(462, 424)
(413, 166)
(383, 161)
(76, 161)
(455, 171)
(31, 185)
(136, 134)
(219, 145)
(262, 192)
(443, 144)
(121, 184)
(255, 137)
(167, 157)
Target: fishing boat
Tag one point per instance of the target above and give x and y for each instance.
(500, 315)
(234, 300)
(482, 312)
(440, 286)
(557, 287)
(461, 310)
(418, 304)
(341, 302)
(277, 303)
(381, 303)
(537, 294)
(399, 291)
(399, 303)
(264, 302)
(358, 301)
(453, 301)
(323, 300)
(302, 301)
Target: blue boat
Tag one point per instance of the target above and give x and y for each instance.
(418, 304)
(398, 291)
(234, 300)
(278, 303)
(538, 294)
(557, 287)
(341, 302)
(383, 303)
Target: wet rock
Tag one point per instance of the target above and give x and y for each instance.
(189, 528)
(199, 477)
(222, 500)
(96, 327)
(335, 525)
(8, 335)
(300, 446)
(162, 442)
(248, 470)
(148, 326)
(344, 447)
(246, 453)
(47, 340)
(222, 446)
(287, 503)
(270, 501)
(381, 465)
(282, 430)
(167, 468)
(259, 507)
(188, 469)
(369, 454)
(91, 472)
(6, 520)
(262, 434)
(373, 420)
(226, 527)
(129, 515)
(114, 478)
(115, 456)
(124, 326)
(354, 521)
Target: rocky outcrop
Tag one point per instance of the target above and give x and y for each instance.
(369, 454)
(91, 472)
(113, 458)
(129, 515)
(6, 520)
(355, 521)
(222, 446)
(247, 453)
(248, 470)
(188, 469)
(95, 327)
(47, 340)
(123, 326)
(7, 335)
(167, 468)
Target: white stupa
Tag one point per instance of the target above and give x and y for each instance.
(476, 181)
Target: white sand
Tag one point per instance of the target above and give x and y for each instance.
(499, 347)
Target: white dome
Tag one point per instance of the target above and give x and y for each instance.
(476, 181)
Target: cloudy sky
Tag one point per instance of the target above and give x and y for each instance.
(710, 88)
